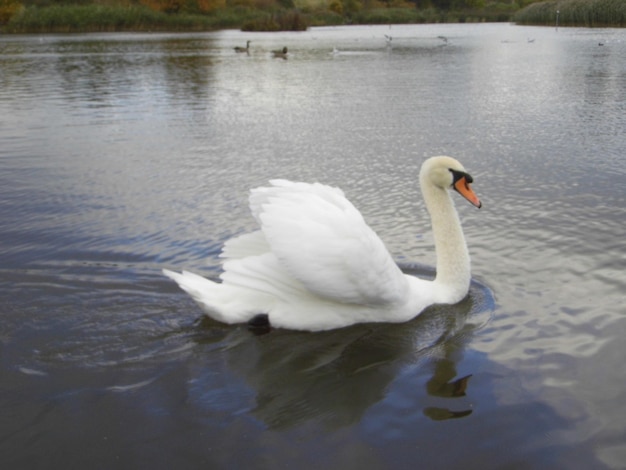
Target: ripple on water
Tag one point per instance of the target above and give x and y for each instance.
(145, 165)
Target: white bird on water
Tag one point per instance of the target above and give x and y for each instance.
(315, 264)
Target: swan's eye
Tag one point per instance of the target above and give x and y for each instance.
(457, 175)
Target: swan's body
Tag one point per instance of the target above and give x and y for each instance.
(316, 265)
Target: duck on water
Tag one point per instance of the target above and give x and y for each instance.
(280, 53)
(243, 49)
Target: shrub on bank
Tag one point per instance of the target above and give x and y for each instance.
(111, 18)
(45, 16)
(8, 9)
(325, 18)
(291, 20)
(387, 16)
(67, 16)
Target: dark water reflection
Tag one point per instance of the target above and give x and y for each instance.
(123, 154)
(293, 374)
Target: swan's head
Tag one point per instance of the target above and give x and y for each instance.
(448, 173)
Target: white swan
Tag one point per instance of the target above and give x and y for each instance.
(316, 265)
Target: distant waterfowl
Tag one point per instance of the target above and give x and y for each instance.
(443, 38)
(243, 49)
(388, 39)
(314, 264)
(280, 53)
(531, 40)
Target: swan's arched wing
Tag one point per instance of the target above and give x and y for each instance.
(259, 197)
(323, 241)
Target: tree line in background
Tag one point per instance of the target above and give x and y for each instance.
(273, 15)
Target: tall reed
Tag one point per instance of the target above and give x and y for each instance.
(590, 13)
(290, 20)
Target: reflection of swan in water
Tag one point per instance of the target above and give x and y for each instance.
(316, 265)
(334, 377)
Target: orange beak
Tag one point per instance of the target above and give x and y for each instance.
(465, 190)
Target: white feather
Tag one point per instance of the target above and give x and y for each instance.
(315, 264)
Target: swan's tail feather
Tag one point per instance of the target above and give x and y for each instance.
(219, 301)
(249, 244)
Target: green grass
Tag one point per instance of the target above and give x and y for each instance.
(387, 16)
(290, 20)
(325, 18)
(590, 13)
(44, 16)
(492, 12)
(107, 18)
(89, 17)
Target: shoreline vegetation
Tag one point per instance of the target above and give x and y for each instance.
(79, 16)
(588, 13)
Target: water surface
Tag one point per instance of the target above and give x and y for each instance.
(122, 154)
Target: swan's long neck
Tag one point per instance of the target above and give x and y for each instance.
(453, 262)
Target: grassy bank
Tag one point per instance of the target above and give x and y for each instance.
(108, 18)
(45, 16)
(589, 13)
(290, 20)
(496, 13)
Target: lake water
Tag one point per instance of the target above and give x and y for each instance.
(123, 154)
